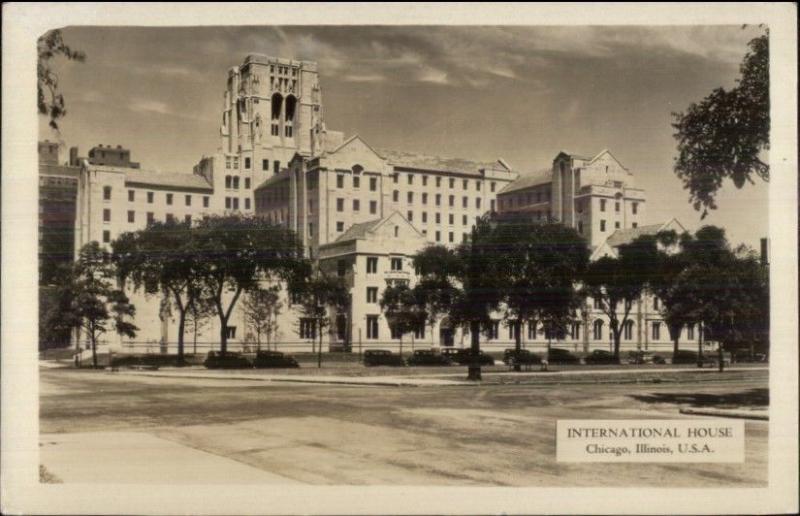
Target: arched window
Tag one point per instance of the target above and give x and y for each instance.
(277, 100)
(598, 330)
(628, 330)
(291, 102)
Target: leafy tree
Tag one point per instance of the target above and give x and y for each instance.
(197, 317)
(539, 267)
(261, 307)
(238, 253)
(318, 294)
(163, 258)
(50, 101)
(617, 283)
(725, 134)
(97, 305)
(405, 309)
(55, 308)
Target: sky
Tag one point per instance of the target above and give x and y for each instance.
(479, 92)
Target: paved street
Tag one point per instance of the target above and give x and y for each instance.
(498, 433)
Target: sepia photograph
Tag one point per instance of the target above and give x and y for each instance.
(288, 255)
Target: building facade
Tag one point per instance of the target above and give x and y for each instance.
(360, 212)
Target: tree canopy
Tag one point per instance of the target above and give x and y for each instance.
(724, 135)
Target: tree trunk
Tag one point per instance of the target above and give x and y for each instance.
(720, 355)
(617, 335)
(94, 350)
(319, 347)
(474, 370)
(675, 346)
(181, 327)
(700, 345)
(517, 344)
(223, 335)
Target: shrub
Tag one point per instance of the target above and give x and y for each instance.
(230, 360)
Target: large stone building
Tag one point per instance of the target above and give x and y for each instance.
(361, 212)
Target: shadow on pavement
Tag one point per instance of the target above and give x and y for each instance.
(749, 398)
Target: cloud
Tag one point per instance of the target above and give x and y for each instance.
(433, 75)
(364, 78)
(139, 105)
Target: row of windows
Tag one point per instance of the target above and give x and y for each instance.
(451, 200)
(232, 203)
(634, 206)
(525, 199)
(232, 182)
(373, 182)
(232, 162)
(168, 197)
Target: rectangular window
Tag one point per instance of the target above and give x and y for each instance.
(188, 200)
(106, 193)
(246, 203)
(655, 303)
(452, 182)
(690, 332)
(478, 186)
(235, 203)
(602, 225)
(131, 216)
(227, 203)
(340, 227)
(264, 164)
(372, 265)
(424, 216)
(227, 162)
(276, 166)
(410, 179)
(438, 236)
(372, 327)
(187, 219)
(395, 196)
(464, 237)
(635, 207)
(452, 200)
(424, 180)
(635, 224)
(106, 236)
(410, 197)
(356, 182)
(438, 199)
(356, 205)
(424, 198)
(438, 182)
(228, 182)
(236, 182)
(150, 196)
(373, 207)
(397, 264)
(131, 195)
(492, 206)
(492, 186)
(478, 203)
(464, 202)
(531, 331)
(656, 331)
(465, 184)
(247, 163)
(310, 229)
(438, 218)
(616, 207)
(372, 294)
(494, 330)
(247, 183)
(106, 215)
(451, 237)
(169, 199)
(464, 220)
(373, 184)
(450, 219)
(307, 328)
(150, 217)
(410, 216)
(170, 217)
(339, 204)
(205, 201)
(602, 205)
(597, 303)
(396, 177)
(616, 225)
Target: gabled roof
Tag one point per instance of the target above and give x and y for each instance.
(347, 142)
(358, 231)
(626, 236)
(439, 163)
(362, 230)
(537, 178)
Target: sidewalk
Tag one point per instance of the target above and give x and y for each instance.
(435, 378)
(140, 458)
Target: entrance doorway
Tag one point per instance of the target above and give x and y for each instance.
(446, 334)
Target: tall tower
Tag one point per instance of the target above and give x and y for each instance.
(272, 110)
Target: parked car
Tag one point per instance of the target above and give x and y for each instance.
(645, 357)
(463, 356)
(230, 360)
(267, 359)
(522, 357)
(382, 357)
(561, 356)
(600, 356)
(686, 356)
(422, 357)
